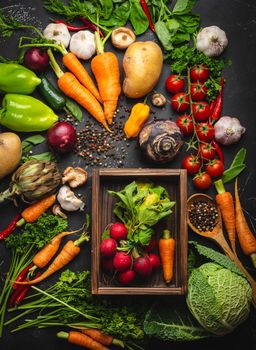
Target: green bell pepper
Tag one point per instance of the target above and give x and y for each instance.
(26, 113)
(15, 78)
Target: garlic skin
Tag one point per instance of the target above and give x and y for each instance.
(211, 41)
(68, 201)
(228, 130)
(82, 44)
(57, 32)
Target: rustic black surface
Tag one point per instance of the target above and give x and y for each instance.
(237, 18)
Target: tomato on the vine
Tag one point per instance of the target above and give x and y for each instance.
(205, 132)
(174, 83)
(192, 164)
(198, 91)
(201, 111)
(202, 181)
(185, 123)
(199, 73)
(215, 168)
(180, 102)
(207, 151)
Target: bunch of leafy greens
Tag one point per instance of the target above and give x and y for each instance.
(140, 206)
(212, 289)
(70, 302)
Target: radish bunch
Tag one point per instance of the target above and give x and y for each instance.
(127, 264)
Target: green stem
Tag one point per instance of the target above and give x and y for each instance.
(17, 317)
(166, 234)
(21, 222)
(99, 44)
(219, 186)
(54, 64)
(83, 238)
(62, 335)
(58, 47)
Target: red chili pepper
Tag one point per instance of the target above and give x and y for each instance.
(211, 108)
(218, 150)
(219, 102)
(22, 276)
(10, 228)
(145, 8)
(91, 26)
(70, 26)
(20, 293)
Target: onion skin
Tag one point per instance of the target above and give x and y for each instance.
(62, 137)
(36, 59)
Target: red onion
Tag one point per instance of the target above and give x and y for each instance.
(36, 59)
(62, 137)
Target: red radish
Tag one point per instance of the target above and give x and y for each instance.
(155, 261)
(152, 244)
(126, 277)
(122, 261)
(107, 264)
(142, 266)
(108, 247)
(118, 231)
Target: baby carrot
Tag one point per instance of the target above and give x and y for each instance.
(106, 71)
(167, 254)
(101, 337)
(81, 339)
(246, 238)
(225, 202)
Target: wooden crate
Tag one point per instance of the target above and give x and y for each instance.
(175, 182)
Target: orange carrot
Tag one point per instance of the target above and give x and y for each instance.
(68, 253)
(34, 211)
(246, 238)
(81, 339)
(75, 66)
(167, 253)
(101, 337)
(71, 87)
(105, 68)
(225, 202)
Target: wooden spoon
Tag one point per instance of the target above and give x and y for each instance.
(217, 236)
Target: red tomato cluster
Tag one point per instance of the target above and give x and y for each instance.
(194, 122)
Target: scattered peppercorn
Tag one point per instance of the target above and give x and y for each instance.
(203, 215)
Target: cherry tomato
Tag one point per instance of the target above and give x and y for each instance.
(199, 73)
(185, 123)
(180, 102)
(198, 91)
(205, 132)
(174, 83)
(201, 111)
(215, 168)
(202, 181)
(207, 151)
(192, 164)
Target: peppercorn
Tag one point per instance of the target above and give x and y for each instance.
(203, 215)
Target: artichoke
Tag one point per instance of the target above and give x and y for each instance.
(33, 180)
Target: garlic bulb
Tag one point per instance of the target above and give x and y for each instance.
(211, 41)
(228, 130)
(68, 200)
(57, 32)
(82, 44)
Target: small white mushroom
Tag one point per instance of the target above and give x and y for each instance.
(68, 200)
(56, 210)
(158, 100)
(122, 37)
(75, 177)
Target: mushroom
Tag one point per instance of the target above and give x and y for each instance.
(122, 37)
(68, 200)
(158, 100)
(56, 210)
(74, 176)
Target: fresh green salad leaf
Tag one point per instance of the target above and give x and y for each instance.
(183, 7)
(138, 18)
(31, 141)
(119, 16)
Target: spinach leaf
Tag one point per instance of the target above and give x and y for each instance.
(138, 18)
(233, 172)
(163, 35)
(41, 156)
(183, 7)
(31, 141)
(74, 109)
(119, 16)
(107, 8)
(239, 158)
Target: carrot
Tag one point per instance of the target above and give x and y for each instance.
(71, 87)
(245, 236)
(105, 68)
(68, 253)
(225, 202)
(34, 211)
(166, 251)
(81, 339)
(101, 337)
(75, 66)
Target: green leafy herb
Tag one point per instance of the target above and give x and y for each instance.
(236, 167)
(40, 156)
(31, 141)
(138, 18)
(119, 17)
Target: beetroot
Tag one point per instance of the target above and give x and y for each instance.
(142, 266)
(126, 278)
(107, 264)
(118, 231)
(152, 245)
(108, 247)
(155, 261)
(122, 261)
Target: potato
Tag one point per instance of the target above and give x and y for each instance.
(10, 153)
(142, 63)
